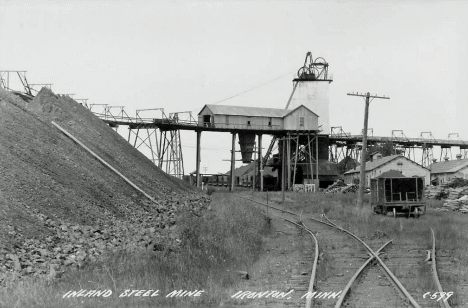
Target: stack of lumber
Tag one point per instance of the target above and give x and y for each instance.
(454, 193)
(464, 191)
(335, 187)
(460, 204)
(353, 188)
(451, 190)
(434, 192)
(455, 183)
(451, 205)
(464, 204)
(349, 188)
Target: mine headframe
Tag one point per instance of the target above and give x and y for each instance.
(313, 69)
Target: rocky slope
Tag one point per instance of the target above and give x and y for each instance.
(59, 206)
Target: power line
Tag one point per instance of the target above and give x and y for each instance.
(251, 89)
(362, 175)
(265, 83)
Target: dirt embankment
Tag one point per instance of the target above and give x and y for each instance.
(59, 206)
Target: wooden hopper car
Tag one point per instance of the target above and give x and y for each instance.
(398, 195)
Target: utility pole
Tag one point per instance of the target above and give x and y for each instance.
(362, 174)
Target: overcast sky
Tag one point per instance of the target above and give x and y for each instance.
(182, 55)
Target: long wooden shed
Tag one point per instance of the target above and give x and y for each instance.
(254, 118)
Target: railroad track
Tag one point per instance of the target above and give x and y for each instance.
(368, 284)
(310, 289)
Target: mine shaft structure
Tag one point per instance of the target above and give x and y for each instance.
(296, 129)
(306, 152)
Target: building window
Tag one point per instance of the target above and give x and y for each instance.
(301, 121)
(269, 121)
(248, 121)
(207, 120)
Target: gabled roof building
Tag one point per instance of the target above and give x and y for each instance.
(254, 118)
(399, 164)
(444, 171)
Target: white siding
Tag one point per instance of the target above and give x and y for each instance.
(234, 121)
(315, 96)
(445, 177)
(462, 173)
(205, 111)
(293, 120)
(407, 168)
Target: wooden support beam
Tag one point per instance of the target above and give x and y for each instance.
(283, 164)
(310, 161)
(254, 168)
(317, 162)
(288, 154)
(233, 161)
(295, 161)
(260, 161)
(198, 158)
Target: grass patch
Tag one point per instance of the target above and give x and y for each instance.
(450, 228)
(212, 248)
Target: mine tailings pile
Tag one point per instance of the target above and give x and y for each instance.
(60, 207)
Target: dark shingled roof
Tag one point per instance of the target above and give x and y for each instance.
(326, 167)
(391, 174)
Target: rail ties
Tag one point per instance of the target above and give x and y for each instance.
(359, 271)
(387, 270)
(314, 266)
(443, 303)
(329, 223)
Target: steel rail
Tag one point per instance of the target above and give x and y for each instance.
(395, 280)
(314, 266)
(289, 212)
(443, 303)
(359, 271)
(333, 225)
(275, 208)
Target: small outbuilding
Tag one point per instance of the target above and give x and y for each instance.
(444, 171)
(399, 164)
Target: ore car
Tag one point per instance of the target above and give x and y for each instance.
(398, 195)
